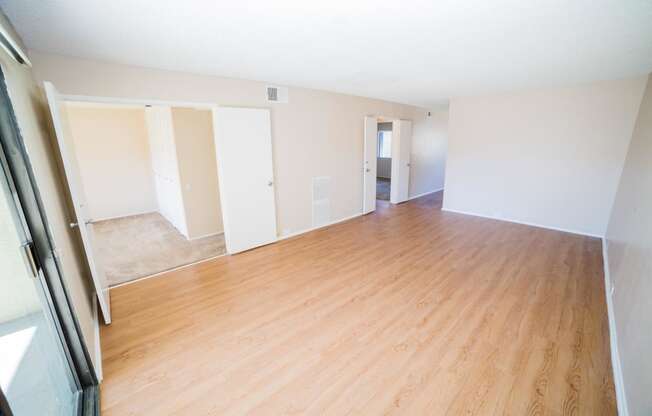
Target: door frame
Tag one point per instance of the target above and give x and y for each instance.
(15, 163)
(394, 150)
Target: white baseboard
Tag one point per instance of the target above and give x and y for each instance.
(531, 224)
(98, 346)
(284, 237)
(117, 217)
(621, 397)
(425, 193)
(294, 234)
(205, 236)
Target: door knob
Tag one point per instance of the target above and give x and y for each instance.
(367, 170)
(270, 183)
(73, 224)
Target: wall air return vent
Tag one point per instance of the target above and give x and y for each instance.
(276, 94)
(321, 200)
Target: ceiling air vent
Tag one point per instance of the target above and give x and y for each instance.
(277, 94)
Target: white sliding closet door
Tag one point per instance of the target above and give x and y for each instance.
(370, 164)
(401, 149)
(243, 142)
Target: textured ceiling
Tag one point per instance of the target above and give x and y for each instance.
(418, 52)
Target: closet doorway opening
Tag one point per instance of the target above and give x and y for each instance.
(149, 181)
(167, 185)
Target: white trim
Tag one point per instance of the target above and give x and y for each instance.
(99, 373)
(350, 217)
(621, 396)
(117, 217)
(531, 224)
(174, 269)
(285, 237)
(425, 193)
(93, 104)
(206, 235)
(135, 101)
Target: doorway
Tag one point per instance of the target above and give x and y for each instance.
(211, 173)
(386, 164)
(384, 161)
(149, 178)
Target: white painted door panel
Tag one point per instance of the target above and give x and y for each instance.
(243, 143)
(369, 166)
(401, 149)
(73, 177)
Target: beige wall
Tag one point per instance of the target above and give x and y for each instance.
(112, 152)
(546, 157)
(629, 253)
(316, 134)
(428, 155)
(34, 123)
(193, 135)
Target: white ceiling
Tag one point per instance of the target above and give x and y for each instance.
(410, 51)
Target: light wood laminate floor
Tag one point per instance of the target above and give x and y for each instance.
(409, 310)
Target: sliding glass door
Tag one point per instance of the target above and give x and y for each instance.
(35, 375)
(45, 367)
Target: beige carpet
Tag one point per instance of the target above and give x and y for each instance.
(141, 245)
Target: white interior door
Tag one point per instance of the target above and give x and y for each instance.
(83, 221)
(243, 144)
(401, 149)
(370, 164)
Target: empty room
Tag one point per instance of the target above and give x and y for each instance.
(325, 208)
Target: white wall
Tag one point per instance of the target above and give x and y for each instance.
(112, 152)
(195, 144)
(548, 157)
(629, 258)
(316, 134)
(428, 156)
